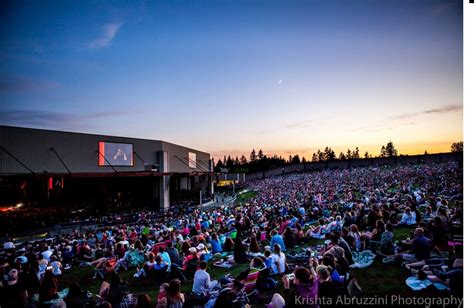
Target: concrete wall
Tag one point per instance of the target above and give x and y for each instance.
(432, 158)
(79, 152)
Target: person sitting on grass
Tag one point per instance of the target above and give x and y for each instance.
(358, 242)
(114, 291)
(278, 260)
(408, 218)
(277, 239)
(147, 267)
(161, 301)
(302, 291)
(215, 244)
(421, 247)
(202, 280)
(174, 297)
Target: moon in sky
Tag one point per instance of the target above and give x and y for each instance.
(280, 81)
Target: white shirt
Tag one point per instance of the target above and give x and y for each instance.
(280, 260)
(408, 219)
(47, 254)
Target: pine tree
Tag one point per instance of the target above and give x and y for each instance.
(342, 156)
(329, 154)
(355, 153)
(457, 147)
(390, 150)
(296, 159)
(260, 154)
(314, 158)
(243, 160)
(383, 152)
(366, 155)
(321, 156)
(253, 156)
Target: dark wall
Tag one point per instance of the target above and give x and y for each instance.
(78, 151)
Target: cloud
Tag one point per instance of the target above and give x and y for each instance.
(15, 84)
(299, 124)
(406, 119)
(109, 31)
(440, 110)
(51, 119)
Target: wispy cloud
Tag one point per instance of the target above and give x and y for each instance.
(440, 110)
(109, 31)
(300, 124)
(53, 120)
(404, 119)
(15, 84)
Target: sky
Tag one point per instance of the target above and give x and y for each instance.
(225, 77)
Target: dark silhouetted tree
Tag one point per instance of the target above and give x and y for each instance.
(303, 161)
(243, 160)
(390, 150)
(329, 154)
(457, 147)
(219, 165)
(253, 156)
(366, 155)
(260, 154)
(349, 154)
(342, 156)
(296, 159)
(314, 158)
(383, 152)
(355, 153)
(321, 156)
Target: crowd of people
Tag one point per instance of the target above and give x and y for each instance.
(345, 211)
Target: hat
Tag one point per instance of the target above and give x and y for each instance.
(192, 250)
(21, 260)
(8, 245)
(200, 246)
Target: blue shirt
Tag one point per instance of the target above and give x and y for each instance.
(278, 239)
(268, 262)
(166, 257)
(216, 245)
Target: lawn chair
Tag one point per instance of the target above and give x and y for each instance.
(251, 280)
(108, 267)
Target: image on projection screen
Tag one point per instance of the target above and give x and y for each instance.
(115, 154)
(192, 160)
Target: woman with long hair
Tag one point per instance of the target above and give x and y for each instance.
(254, 248)
(48, 288)
(174, 297)
(240, 252)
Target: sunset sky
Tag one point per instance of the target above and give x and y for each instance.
(228, 76)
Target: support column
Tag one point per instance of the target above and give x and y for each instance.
(164, 184)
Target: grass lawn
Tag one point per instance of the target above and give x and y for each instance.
(244, 197)
(378, 279)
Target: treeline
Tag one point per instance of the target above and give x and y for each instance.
(258, 161)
